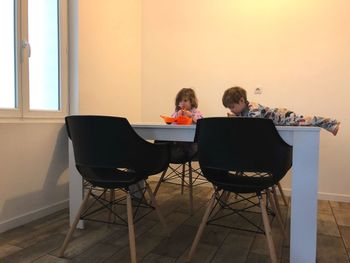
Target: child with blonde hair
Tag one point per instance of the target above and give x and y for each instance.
(235, 99)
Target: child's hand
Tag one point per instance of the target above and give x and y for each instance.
(185, 113)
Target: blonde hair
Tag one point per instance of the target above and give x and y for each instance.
(233, 95)
(188, 94)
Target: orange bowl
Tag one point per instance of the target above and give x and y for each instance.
(183, 120)
(168, 120)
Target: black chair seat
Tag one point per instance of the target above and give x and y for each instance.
(237, 183)
(106, 177)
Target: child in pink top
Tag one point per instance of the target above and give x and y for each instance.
(186, 104)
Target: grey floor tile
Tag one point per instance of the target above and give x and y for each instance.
(235, 248)
(40, 240)
(7, 249)
(179, 241)
(153, 258)
(203, 254)
(331, 249)
(345, 234)
(324, 207)
(326, 225)
(36, 251)
(342, 216)
(51, 259)
(341, 205)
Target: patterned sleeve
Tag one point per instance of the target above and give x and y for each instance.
(196, 114)
(256, 110)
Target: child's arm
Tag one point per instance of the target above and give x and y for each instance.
(256, 110)
(196, 114)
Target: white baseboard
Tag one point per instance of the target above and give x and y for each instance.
(334, 197)
(33, 215)
(325, 196)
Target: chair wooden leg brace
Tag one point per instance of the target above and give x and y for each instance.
(276, 199)
(159, 182)
(282, 194)
(74, 225)
(267, 228)
(131, 229)
(226, 196)
(111, 199)
(278, 214)
(183, 178)
(201, 227)
(190, 188)
(154, 203)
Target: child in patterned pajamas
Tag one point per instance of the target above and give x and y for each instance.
(235, 99)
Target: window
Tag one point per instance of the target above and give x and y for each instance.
(33, 64)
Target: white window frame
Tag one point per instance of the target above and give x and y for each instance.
(22, 110)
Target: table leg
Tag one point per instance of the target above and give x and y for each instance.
(304, 196)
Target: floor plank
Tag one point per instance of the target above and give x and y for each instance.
(40, 240)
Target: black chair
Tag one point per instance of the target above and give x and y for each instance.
(180, 170)
(234, 154)
(109, 155)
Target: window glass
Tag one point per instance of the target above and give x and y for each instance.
(43, 32)
(7, 55)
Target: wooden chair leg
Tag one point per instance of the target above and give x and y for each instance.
(267, 228)
(225, 195)
(74, 225)
(111, 199)
(159, 182)
(131, 229)
(183, 178)
(140, 190)
(278, 213)
(282, 194)
(154, 203)
(190, 187)
(201, 227)
(276, 199)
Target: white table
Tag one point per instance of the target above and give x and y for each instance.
(305, 141)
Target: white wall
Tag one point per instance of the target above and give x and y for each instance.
(297, 51)
(109, 63)
(34, 176)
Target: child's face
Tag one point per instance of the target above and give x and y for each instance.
(237, 108)
(185, 104)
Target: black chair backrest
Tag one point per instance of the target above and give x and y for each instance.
(242, 144)
(103, 141)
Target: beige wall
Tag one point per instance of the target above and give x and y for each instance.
(34, 174)
(109, 57)
(297, 51)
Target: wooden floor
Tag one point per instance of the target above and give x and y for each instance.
(40, 240)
